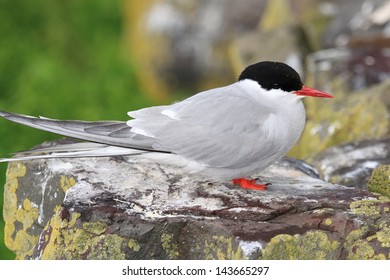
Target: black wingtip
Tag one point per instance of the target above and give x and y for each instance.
(3, 113)
(7, 115)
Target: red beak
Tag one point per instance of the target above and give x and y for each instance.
(307, 91)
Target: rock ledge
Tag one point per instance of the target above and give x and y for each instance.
(128, 208)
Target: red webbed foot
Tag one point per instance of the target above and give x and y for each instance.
(250, 184)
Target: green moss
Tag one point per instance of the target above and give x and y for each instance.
(311, 245)
(380, 180)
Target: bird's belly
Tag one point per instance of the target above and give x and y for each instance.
(285, 132)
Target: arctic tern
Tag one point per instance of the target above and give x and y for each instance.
(226, 133)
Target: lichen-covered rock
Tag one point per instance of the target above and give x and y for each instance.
(371, 241)
(352, 164)
(344, 119)
(310, 245)
(380, 180)
(129, 208)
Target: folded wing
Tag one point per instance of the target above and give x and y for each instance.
(115, 133)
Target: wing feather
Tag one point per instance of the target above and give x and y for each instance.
(114, 133)
(219, 128)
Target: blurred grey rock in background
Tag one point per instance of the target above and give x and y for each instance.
(352, 164)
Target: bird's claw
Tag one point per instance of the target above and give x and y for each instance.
(250, 184)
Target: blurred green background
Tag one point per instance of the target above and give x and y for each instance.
(61, 59)
(97, 60)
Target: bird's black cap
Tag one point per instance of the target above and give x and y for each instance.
(273, 75)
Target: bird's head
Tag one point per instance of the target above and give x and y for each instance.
(277, 75)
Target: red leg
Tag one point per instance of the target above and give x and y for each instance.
(249, 184)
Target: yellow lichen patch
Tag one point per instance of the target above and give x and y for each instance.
(355, 235)
(222, 248)
(380, 180)
(361, 250)
(170, 247)
(21, 243)
(24, 244)
(76, 240)
(384, 236)
(26, 204)
(328, 221)
(95, 227)
(55, 226)
(312, 245)
(16, 169)
(133, 245)
(372, 237)
(359, 247)
(27, 214)
(366, 207)
(10, 200)
(20, 213)
(110, 248)
(67, 183)
(9, 229)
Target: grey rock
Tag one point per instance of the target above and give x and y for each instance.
(357, 43)
(259, 45)
(129, 208)
(352, 164)
(191, 37)
(353, 18)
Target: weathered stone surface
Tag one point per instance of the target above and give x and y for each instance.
(352, 164)
(244, 49)
(112, 208)
(354, 19)
(351, 117)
